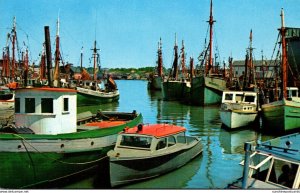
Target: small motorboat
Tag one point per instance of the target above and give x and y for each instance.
(147, 151)
(273, 164)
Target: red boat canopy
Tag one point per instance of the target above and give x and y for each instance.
(156, 130)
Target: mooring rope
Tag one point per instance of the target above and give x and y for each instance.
(71, 163)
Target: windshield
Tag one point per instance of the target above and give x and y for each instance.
(136, 141)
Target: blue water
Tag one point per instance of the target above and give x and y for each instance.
(222, 150)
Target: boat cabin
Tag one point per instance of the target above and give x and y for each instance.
(151, 137)
(275, 164)
(46, 110)
(239, 97)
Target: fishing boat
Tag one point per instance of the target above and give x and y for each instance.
(147, 151)
(156, 79)
(90, 91)
(283, 116)
(7, 98)
(273, 164)
(207, 85)
(175, 86)
(239, 108)
(48, 142)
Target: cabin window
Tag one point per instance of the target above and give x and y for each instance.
(260, 164)
(284, 173)
(228, 97)
(239, 98)
(17, 105)
(181, 138)
(162, 143)
(29, 105)
(136, 141)
(66, 104)
(171, 141)
(249, 99)
(47, 105)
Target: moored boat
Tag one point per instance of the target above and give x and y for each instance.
(89, 90)
(47, 145)
(176, 85)
(206, 87)
(89, 93)
(283, 116)
(239, 108)
(273, 164)
(147, 151)
(156, 79)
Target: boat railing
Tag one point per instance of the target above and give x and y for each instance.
(270, 147)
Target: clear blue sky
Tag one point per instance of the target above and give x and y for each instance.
(127, 31)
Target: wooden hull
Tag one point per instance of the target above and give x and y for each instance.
(128, 170)
(28, 160)
(235, 119)
(174, 90)
(281, 116)
(155, 83)
(87, 97)
(206, 91)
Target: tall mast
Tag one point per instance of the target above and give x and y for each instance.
(284, 56)
(43, 64)
(26, 67)
(183, 60)
(95, 55)
(211, 22)
(81, 58)
(160, 60)
(57, 55)
(175, 62)
(192, 72)
(252, 74)
(14, 34)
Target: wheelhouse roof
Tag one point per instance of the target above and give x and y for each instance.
(286, 147)
(156, 130)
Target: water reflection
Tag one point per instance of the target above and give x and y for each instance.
(222, 149)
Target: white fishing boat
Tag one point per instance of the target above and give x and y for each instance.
(7, 99)
(239, 108)
(273, 164)
(147, 151)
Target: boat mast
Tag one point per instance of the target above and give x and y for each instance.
(175, 62)
(211, 22)
(95, 56)
(252, 69)
(284, 56)
(26, 67)
(183, 60)
(57, 56)
(81, 58)
(43, 64)
(14, 34)
(192, 70)
(160, 60)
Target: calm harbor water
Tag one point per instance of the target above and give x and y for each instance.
(222, 150)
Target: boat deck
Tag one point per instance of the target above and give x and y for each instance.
(286, 147)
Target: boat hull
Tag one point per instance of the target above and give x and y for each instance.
(32, 160)
(155, 83)
(174, 90)
(127, 170)
(233, 119)
(281, 116)
(206, 91)
(86, 97)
